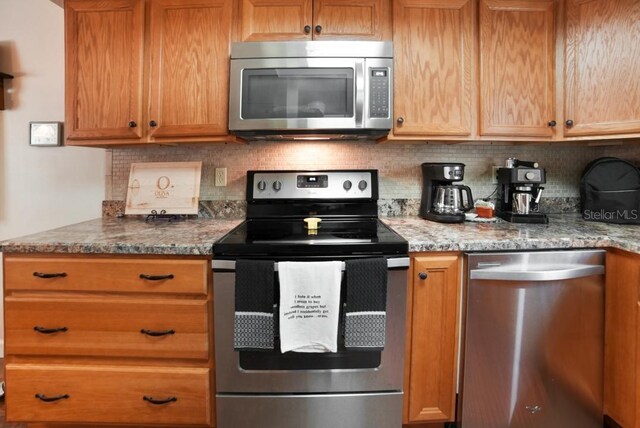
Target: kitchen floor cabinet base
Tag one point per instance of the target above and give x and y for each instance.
(105, 340)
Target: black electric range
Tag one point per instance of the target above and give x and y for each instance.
(278, 202)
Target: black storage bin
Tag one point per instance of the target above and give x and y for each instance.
(610, 191)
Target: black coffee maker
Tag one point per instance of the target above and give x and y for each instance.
(442, 200)
(519, 192)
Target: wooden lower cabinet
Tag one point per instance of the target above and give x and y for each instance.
(93, 339)
(112, 394)
(622, 338)
(433, 329)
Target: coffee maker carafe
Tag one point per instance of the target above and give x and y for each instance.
(519, 192)
(442, 200)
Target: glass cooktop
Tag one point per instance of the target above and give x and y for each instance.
(291, 237)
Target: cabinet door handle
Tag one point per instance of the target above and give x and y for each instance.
(50, 399)
(307, 29)
(400, 120)
(552, 123)
(156, 277)
(159, 401)
(423, 275)
(132, 124)
(569, 123)
(153, 123)
(318, 29)
(156, 333)
(50, 275)
(45, 330)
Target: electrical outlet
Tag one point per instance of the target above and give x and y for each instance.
(221, 177)
(494, 174)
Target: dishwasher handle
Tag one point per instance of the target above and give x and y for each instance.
(569, 272)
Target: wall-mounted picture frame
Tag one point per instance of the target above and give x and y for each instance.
(46, 134)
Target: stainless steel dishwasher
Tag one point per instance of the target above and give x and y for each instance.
(534, 340)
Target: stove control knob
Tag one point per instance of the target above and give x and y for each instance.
(347, 185)
(262, 185)
(277, 186)
(529, 175)
(362, 185)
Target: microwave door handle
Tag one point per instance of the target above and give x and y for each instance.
(359, 93)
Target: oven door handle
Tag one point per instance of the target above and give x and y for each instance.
(230, 265)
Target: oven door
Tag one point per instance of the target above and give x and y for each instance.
(344, 371)
(310, 94)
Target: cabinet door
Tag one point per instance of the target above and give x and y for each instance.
(602, 59)
(351, 20)
(433, 67)
(434, 304)
(621, 356)
(265, 20)
(517, 71)
(189, 67)
(104, 44)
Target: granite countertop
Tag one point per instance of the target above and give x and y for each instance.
(563, 231)
(133, 235)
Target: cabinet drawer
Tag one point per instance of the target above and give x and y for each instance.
(106, 274)
(108, 394)
(107, 327)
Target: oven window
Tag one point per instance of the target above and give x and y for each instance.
(288, 93)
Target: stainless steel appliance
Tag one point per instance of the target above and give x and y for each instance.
(534, 341)
(315, 89)
(354, 389)
(441, 200)
(519, 192)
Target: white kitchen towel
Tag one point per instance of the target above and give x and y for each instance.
(309, 306)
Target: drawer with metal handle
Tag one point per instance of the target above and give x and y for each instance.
(94, 394)
(108, 327)
(98, 274)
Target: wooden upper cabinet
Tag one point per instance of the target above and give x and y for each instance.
(270, 20)
(263, 20)
(188, 67)
(433, 329)
(433, 42)
(351, 20)
(517, 68)
(602, 59)
(104, 51)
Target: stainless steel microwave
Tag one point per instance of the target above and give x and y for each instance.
(308, 90)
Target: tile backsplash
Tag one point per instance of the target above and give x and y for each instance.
(398, 164)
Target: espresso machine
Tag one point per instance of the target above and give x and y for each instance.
(519, 192)
(442, 200)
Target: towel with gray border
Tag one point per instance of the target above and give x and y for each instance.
(366, 303)
(254, 297)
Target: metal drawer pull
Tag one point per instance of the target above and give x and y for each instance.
(44, 330)
(156, 277)
(159, 402)
(157, 333)
(50, 399)
(50, 275)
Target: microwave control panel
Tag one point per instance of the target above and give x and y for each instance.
(379, 92)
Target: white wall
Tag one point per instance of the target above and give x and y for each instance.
(40, 187)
